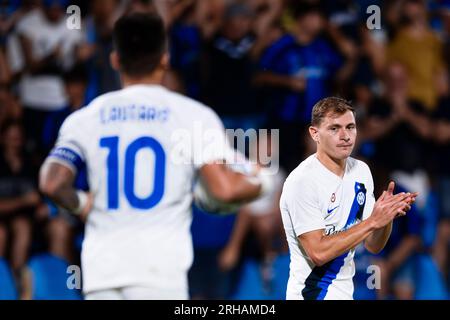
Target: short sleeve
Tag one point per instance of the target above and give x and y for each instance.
(302, 205)
(68, 149)
(370, 195)
(211, 145)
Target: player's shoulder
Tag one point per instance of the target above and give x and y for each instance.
(84, 116)
(360, 170)
(300, 181)
(108, 98)
(303, 174)
(186, 107)
(190, 112)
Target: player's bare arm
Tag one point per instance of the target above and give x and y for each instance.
(322, 249)
(227, 185)
(56, 182)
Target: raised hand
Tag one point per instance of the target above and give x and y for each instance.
(390, 206)
(410, 200)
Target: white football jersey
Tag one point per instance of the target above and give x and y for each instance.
(314, 198)
(141, 164)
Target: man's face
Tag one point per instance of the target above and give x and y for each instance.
(396, 79)
(336, 135)
(414, 11)
(312, 24)
(54, 13)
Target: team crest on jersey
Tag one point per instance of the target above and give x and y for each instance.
(361, 198)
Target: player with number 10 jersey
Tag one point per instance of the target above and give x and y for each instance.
(142, 189)
(142, 147)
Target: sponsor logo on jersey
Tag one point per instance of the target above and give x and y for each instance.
(361, 198)
(329, 211)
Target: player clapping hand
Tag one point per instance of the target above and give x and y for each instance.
(390, 206)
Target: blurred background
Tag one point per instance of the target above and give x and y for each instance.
(258, 64)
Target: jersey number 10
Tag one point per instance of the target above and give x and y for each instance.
(112, 143)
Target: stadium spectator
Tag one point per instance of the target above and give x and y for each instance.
(10, 13)
(48, 48)
(398, 125)
(295, 72)
(228, 83)
(97, 47)
(267, 23)
(75, 82)
(18, 196)
(415, 42)
(187, 35)
(343, 28)
(195, 24)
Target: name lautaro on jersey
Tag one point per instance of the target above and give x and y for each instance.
(134, 113)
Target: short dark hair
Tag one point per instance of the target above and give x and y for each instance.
(140, 42)
(333, 105)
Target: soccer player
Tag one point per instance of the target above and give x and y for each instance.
(328, 208)
(137, 242)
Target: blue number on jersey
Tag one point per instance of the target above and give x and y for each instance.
(112, 162)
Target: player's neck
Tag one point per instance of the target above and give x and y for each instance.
(337, 166)
(151, 79)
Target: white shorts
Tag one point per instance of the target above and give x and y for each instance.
(138, 293)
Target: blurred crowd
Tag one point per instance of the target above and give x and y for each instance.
(258, 64)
